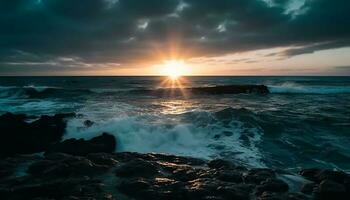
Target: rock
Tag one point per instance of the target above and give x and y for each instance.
(272, 185)
(88, 123)
(6, 168)
(220, 164)
(65, 167)
(329, 189)
(337, 176)
(231, 89)
(258, 175)
(308, 188)
(279, 196)
(310, 174)
(229, 176)
(185, 174)
(137, 168)
(104, 143)
(158, 188)
(102, 158)
(216, 90)
(21, 137)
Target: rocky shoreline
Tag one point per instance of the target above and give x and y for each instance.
(89, 169)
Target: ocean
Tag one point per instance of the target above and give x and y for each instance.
(303, 122)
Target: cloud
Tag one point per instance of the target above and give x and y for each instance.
(127, 31)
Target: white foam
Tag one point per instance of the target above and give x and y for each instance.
(39, 88)
(151, 133)
(290, 88)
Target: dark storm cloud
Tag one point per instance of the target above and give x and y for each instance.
(123, 31)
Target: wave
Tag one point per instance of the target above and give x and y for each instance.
(300, 89)
(31, 91)
(153, 133)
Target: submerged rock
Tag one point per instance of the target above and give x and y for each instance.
(103, 143)
(231, 89)
(21, 137)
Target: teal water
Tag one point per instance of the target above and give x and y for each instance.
(303, 122)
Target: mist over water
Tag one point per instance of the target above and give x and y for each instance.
(303, 122)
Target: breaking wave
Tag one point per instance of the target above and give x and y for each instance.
(210, 135)
(291, 88)
(32, 91)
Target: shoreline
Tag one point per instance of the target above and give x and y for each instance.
(90, 169)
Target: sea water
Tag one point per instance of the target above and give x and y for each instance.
(302, 122)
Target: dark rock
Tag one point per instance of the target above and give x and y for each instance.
(88, 123)
(185, 174)
(6, 168)
(40, 166)
(231, 89)
(337, 176)
(220, 164)
(318, 175)
(104, 143)
(137, 168)
(216, 90)
(229, 176)
(21, 137)
(310, 174)
(329, 189)
(272, 185)
(258, 175)
(65, 167)
(239, 192)
(285, 196)
(308, 188)
(102, 158)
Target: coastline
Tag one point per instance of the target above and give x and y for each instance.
(89, 169)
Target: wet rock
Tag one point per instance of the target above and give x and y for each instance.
(308, 188)
(337, 176)
(88, 123)
(138, 168)
(102, 158)
(279, 196)
(329, 189)
(272, 185)
(185, 173)
(21, 137)
(258, 175)
(220, 164)
(239, 192)
(40, 166)
(6, 168)
(66, 167)
(231, 89)
(310, 174)
(104, 143)
(229, 176)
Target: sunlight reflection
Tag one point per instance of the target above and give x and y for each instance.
(178, 106)
(175, 85)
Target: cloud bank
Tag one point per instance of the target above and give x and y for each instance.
(61, 34)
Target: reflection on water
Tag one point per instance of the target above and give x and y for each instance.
(178, 106)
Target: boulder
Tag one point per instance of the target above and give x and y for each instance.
(272, 185)
(231, 89)
(220, 164)
(103, 143)
(137, 168)
(329, 189)
(258, 175)
(22, 137)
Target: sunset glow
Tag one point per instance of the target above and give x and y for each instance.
(174, 69)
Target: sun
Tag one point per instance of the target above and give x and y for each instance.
(174, 68)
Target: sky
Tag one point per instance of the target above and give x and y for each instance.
(209, 37)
